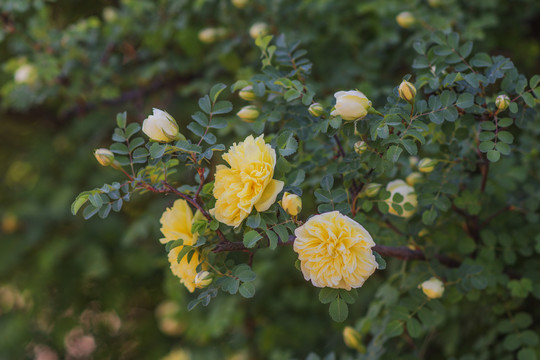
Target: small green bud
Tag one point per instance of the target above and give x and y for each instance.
(316, 109)
(249, 113)
(360, 147)
(407, 91)
(372, 189)
(247, 93)
(426, 165)
(502, 102)
(104, 156)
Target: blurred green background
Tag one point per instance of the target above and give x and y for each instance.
(102, 289)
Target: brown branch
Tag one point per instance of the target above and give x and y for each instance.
(495, 214)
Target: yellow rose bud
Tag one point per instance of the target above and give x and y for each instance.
(353, 339)
(316, 109)
(502, 102)
(335, 251)
(414, 178)
(249, 113)
(240, 3)
(405, 19)
(258, 29)
(203, 279)
(351, 105)
(427, 165)
(104, 156)
(26, 74)
(372, 189)
(409, 196)
(291, 203)
(435, 3)
(433, 288)
(247, 93)
(210, 35)
(109, 14)
(423, 232)
(413, 161)
(9, 223)
(407, 91)
(360, 147)
(161, 127)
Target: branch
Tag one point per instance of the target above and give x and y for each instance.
(398, 252)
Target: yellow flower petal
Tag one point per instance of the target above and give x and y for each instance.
(176, 223)
(269, 195)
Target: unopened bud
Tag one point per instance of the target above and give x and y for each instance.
(247, 93)
(248, 113)
(104, 156)
(240, 3)
(210, 35)
(202, 279)
(26, 74)
(316, 109)
(433, 288)
(502, 102)
(291, 203)
(413, 161)
(427, 165)
(423, 232)
(405, 19)
(372, 189)
(352, 339)
(414, 178)
(407, 91)
(258, 29)
(360, 147)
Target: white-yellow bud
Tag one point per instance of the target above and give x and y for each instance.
(291, 203)
(372, 189)
(502, 102)
(414, 178)
(426, 165)
(104, 156)
(110, 14)
(405, 19)
(240, 3)
(353, 339)
(351, 105)
(248, 113)
(202, 279)
(360, 147)
(413, 161)
(247, 93)
(26, 74)
(258, 29)
(408, 194)
(407, 91)
(161, 126)
(433, 288)
(316, 109)
(210, 35)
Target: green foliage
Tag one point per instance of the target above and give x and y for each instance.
(475, 225)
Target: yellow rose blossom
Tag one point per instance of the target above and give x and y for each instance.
(335, 251)
(186, 271)
(176, 224)
(247, 183)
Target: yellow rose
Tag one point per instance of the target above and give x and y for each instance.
(161, 126)
(247, 183)
(409, 196)
(335, 251)
(433, 288)
(351, 105)
(176, 223)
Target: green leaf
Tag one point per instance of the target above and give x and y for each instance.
(327, 182)
(381, 263)
(339, 311)
(327, 295)
(253, 221)
(89, 211)
(533, 82)
(216, 90)
(222, 107)
(79, 201)
(481, 60)
(394, 328)
(486, 146)
(132, 129)
(414, 328)
(247, 290)
(282, 232)
(272, 239)
(506, 137)
(393, 153)
(205, 104)
(244, 273)
(429, 216)
(465, 49)
(121, 119)
(465, 100)
(526, 354)
(251, 238)
(157, 150)
(529, 99)
(493, 155)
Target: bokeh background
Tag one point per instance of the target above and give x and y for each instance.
(102, 289)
